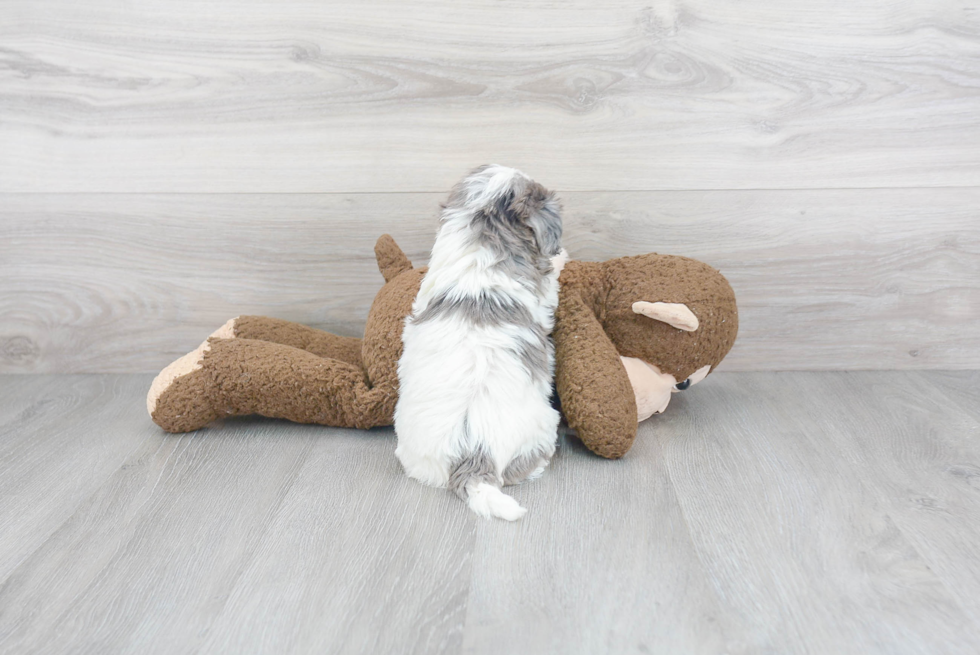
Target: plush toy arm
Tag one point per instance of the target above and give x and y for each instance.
(596, 396)
(287, 333)
(391, 260)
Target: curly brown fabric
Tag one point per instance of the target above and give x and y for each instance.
(281, 369)
(596, 396)
(590, 380)
(287, 333)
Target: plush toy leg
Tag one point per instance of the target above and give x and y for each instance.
(318, 342)
(248, 376)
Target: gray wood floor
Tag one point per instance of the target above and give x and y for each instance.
(763, 513)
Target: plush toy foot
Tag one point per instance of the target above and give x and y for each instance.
(177, 401)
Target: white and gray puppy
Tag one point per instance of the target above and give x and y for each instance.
(475, 376)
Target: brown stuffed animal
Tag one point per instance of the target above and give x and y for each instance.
(267, 366)
(626, 331)
(629, 332)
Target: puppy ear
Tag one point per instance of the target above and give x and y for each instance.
(540, 210)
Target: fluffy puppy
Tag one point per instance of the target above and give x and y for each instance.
(475, 375)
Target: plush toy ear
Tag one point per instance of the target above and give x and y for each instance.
(674, 314)
(392, 262)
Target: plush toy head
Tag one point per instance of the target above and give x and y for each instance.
(676, 315)
(641, 327)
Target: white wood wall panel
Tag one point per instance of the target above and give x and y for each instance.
(165, 165)
(842, 279)
(300, 96)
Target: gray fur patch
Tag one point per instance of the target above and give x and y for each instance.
(475, 467)
(524, 465)
(489, 308)
(545, 222)
(522, 226)
(522, 236)
(537, 356)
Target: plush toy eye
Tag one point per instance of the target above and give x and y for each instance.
(680, 386)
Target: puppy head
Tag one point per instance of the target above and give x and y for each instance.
(507, 208)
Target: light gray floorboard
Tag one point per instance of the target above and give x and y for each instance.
(68, 435)
(602, 563)
(803, 549)
(298, 96)
(763, 513)
(829, 279)
(359, 559)
(148, 562)
(919, 451)
(959, 386)
(144, 563)
(20, 398)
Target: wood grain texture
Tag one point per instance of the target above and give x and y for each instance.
(764, 512)
(170, 533)
(917, 446)
(959, 387)
(360, 559)
(391, 96)
(602, 563)
(826, 279)
(60, 440)
(101, 282)
(790, 525)
(161, 551)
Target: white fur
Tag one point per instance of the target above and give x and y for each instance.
(461, 386)
(488, 500)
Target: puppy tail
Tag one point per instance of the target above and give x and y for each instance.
(488, 500)
(474, 479)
